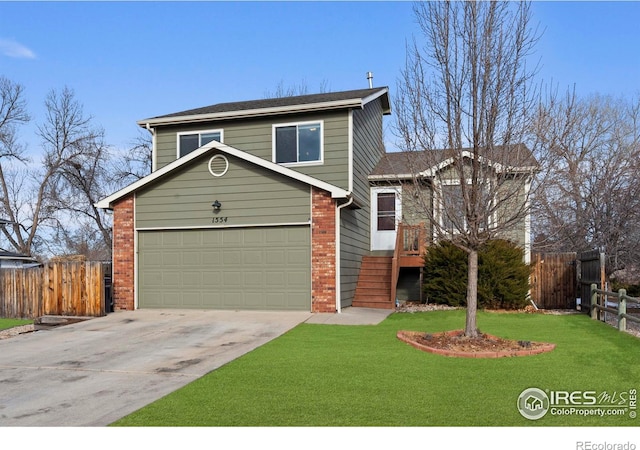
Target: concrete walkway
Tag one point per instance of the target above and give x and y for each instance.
(351, 316)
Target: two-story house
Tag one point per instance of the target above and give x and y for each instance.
(259, 204)
(284, 203)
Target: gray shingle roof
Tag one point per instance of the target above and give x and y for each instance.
(414, 162)
(276, 102)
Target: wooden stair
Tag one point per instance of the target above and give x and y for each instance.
(374, 283)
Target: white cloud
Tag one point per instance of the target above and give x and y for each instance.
(14, 49)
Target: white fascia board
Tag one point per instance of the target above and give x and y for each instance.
(335, 191)
(376, 95)
(105, 203)
(394, 176)
(430, 172)
(311, 107)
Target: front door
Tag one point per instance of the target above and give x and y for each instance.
(386, 213)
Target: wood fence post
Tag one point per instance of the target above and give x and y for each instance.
(594, 301)
(622, 309)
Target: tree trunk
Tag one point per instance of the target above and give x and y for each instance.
(471, 327)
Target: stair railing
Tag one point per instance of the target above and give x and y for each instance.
(410, 241)
(395, 266)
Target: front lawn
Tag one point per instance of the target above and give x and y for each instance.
(10, 323)
(331, 375)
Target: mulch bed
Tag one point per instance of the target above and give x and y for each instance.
(454, 343)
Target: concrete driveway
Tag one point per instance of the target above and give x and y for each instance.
(94, 372)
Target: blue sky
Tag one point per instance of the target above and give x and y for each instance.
(132, 60)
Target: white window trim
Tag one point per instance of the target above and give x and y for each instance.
(291, 124)
(199, 133)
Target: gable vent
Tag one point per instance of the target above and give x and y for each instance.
(218, 165)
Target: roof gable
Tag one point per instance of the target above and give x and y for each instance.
(107, 203)
(405, 165)
(281, 105)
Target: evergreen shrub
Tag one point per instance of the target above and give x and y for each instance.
(503, 277)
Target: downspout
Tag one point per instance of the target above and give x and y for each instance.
(136, 262)
(338, 284)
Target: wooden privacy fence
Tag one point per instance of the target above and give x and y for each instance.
(553, 280)
(600, 302)
(58, 288)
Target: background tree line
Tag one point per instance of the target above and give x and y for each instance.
(590, 197)
(47, 201)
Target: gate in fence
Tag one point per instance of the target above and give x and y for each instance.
(554, 280)
(559, 279)
(592, 271)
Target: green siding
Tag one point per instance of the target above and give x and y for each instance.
(368, 148)
(265, 202)
(252, 268)
(417, 203)
(254, 136)
(250, 195)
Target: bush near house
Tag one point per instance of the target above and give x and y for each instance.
(503, 277)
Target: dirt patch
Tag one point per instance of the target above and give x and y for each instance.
(454, 343)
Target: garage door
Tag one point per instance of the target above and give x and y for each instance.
(244, 268)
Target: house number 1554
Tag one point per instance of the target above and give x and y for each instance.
(219, 219)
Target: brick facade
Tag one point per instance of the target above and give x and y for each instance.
(123, 254)
(323, 252)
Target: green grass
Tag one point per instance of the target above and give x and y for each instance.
(330, 375)
(10, 323)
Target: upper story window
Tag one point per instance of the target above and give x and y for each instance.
(188, 142)
(298, 143)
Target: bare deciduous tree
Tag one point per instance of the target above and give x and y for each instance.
(76, 162)
(63, 186)
(294, 90)
(13, 113)
(135, 163)
(591, 197)
(466, 97)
